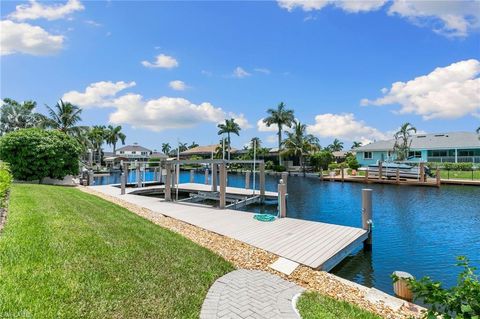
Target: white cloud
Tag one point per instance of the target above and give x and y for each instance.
(162, 61)
(240, 73)
(453, 18)
(450, 18)
(262, 70)
(346, 5)
(27, 39)
(97, 94)
(155, 114)
(35, 10)
(344, 126)
(447, 92)
(177, 85)
(206, 73)
(93, 23)
(262, 127)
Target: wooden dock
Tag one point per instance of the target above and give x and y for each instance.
(314, 244)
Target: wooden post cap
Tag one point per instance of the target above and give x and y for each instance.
(400, 286)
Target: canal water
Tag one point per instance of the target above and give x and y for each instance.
(416, 229)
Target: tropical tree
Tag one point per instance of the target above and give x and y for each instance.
(336, 145)
(166, 148)
(298, 143)
(193, 145)
(182, 146)
(15, 116)
(113, 134)
(403, 141)
(65, 116)
(219, 149)
(97, 136)
(256, 141)
(229, 127)
(356, 145)
(280, 117)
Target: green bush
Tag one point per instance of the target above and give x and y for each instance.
(269, 165)
(321, 159)
(460, 301)
(353, 163)
(279, 168)
(34, 154)
(333, 166)
(452, 166)
(5, 180)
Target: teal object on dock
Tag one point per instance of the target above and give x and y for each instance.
(264, 217)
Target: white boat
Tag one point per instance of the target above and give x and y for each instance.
(389, 170)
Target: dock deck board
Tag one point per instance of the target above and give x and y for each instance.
(314, 244)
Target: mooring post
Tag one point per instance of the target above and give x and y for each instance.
(398, 175)
(174, 175)
(168, 182)
(282, 199)
(160, 172)
(223, 185)
(90, 177)
(437, 175)
(285, 180)
(321, 173)
(400, 285)
(137, 174)
(380, 170)
(247, 179)
(261, 167)
(343, 174)
(123, 178)
(206, 176)
(192, 175)
(214, 177)
(366, 175)
(367, 223)
(422, 172)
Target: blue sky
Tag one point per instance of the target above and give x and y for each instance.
(327, 61)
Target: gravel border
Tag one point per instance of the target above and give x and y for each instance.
(244, 256)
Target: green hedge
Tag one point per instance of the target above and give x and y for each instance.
(5, 180)
(452, 166)
(34, 154)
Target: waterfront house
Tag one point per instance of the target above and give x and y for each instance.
(453, 147)
(207, 151)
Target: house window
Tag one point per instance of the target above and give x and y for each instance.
(122, 152)
(465, 153)
(133, 152)
(415, 154)
(367, 155)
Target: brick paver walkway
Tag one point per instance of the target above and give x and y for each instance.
(250, 294)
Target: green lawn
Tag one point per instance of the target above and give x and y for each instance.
(460, 174)
(67, 254)
(312, 305)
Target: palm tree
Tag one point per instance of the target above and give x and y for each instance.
(299, 143)
(65, 116)
(280, 117)
(229, 127)
(97, 136)
(166, 148)
(403, 141)
(14, 116)
(113, 134)
(219, 149)
(193, 145)
(356, 145)
(182, 147)
(336, 145)
(256, 141)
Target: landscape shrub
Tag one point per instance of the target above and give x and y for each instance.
(353, 163)
(333, 166)
(154, 161)
(34, 154)
(5, 180)
(279, 168)
(460, 301)
(269, 165)
(320, 160)
(458, 166)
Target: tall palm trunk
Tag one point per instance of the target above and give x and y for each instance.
(229, 147)
(99, 156)
(279, 144)
(114, 148)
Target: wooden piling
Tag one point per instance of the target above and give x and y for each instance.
(366, 175)
(367, 216)
(437, 176)
(247, 180)
(321, 174)
(90, 177)
(206, 176)
(398, 175)
(137, 175)
(168, 182)
(400, 286)
(285, 180)
(214, 177)
(123, 178)
(380, 170)
(422, 172)
(192, 176)
(223, 185)
(262, 179)
(343, 174)
(282, 199)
